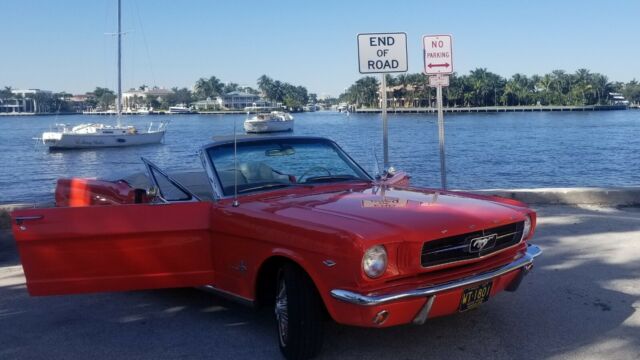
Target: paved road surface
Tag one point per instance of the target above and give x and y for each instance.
(580, 302)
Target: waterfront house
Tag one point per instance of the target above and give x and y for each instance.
(78, 103)
(208, 104)
(136, 98)
(30, 101)
(237, 100)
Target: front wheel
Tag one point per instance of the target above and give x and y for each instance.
(299, 317)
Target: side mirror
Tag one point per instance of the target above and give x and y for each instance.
(153, 192)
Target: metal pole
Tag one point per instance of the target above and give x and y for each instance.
(443, 171)
(119, 100)
(385, 126)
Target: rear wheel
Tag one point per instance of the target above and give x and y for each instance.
(298, 311)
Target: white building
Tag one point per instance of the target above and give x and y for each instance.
(237, 100)
(25, 101)
(134, 98)
(208, 104)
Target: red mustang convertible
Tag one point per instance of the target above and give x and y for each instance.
(290, 222)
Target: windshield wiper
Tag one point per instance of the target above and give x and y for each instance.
(333, 178)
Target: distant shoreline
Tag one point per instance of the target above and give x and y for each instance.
(399, 110)
(488, 109)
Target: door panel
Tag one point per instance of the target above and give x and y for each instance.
(114, 248)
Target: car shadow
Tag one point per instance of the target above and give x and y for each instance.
(8, 250)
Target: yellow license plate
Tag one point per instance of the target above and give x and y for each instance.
(474, 296)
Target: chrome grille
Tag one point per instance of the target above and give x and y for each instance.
(468, 246)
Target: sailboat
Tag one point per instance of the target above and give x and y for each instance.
(96, 135)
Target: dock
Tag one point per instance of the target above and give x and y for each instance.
(162, 112)
(494, 109)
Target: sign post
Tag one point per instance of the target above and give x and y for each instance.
(438, 61)
(382, 53)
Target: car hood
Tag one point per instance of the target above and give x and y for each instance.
(373, 212)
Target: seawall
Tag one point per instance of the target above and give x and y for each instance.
(610, 197)
(492, 109)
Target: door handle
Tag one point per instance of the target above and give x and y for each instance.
(21, 219)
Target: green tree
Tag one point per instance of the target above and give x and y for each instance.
(264, 85)
(631, 91)
(364, 92)
(6, 93)
(208, 88)
(102, 98)
(230, 87)
(177, 96)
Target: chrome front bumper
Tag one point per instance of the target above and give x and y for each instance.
(525, 263)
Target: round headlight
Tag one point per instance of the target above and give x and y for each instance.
(374, 261)
(526, 230)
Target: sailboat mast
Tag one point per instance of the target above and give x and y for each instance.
(119, 100)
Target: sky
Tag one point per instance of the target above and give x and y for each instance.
(63, 45)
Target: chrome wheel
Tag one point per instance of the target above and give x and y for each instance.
(282, 312)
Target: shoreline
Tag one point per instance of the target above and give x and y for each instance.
(409, 110)
(496, 109)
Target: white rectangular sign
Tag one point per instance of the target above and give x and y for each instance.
(382, 53)
(438, 80)
(438, 54)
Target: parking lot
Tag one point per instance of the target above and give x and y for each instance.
(581, 301)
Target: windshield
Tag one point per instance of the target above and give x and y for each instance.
(276, 163)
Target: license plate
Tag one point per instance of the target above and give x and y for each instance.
(472, 297)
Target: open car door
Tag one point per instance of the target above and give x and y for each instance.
(116, 247)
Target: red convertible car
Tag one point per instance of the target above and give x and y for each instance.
(290, 222)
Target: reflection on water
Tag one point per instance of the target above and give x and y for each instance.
(505, 150)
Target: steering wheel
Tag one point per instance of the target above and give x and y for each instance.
(321, 168)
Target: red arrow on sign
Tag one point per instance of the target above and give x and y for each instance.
(438, 65)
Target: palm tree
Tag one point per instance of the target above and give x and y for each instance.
(601, 86)
(208, 88)
(264, 84)
(229, 87)
(479, 83)
(6, 93)
(583, 80)
(202, 89)
(544, 86)
(561, 86)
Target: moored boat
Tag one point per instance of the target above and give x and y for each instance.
(275, 121)
(180, 109)
(95, 135)
(144, 111)
(100, 135)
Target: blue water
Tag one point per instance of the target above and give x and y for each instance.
(498, 150)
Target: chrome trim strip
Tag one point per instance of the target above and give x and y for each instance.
(468, 261)
(509, 234)
(21, 219)
(151, 166)
(533, 251)
(228, 295)
(423, 314)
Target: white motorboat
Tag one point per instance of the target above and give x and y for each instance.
(101, 135)
(144, 111)
(618, 99)
(179, 109)
(275, 121)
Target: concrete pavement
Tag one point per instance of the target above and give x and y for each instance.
(580, 302)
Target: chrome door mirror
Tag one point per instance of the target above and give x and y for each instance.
(152, 192)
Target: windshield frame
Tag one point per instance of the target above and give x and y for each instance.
(207, 151)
